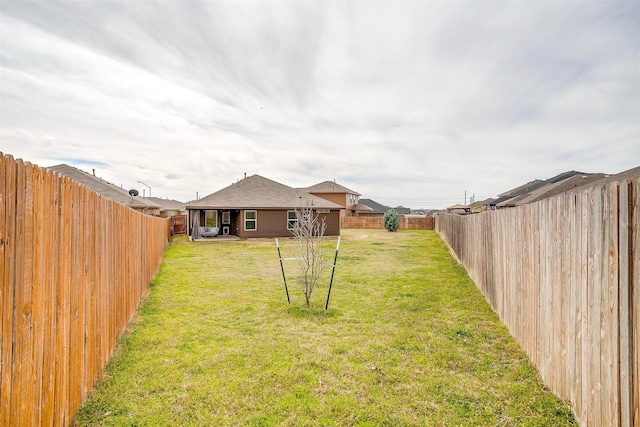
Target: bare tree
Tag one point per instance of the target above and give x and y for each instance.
(309, 232)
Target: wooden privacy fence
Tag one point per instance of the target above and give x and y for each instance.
(563, 274)
(406, 223)
(74, 268)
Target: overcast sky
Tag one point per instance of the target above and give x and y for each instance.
(407, 102)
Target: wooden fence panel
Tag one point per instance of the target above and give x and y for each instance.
(65, 297)
(375, 222)
(563, 275)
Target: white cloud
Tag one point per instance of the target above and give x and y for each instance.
(406, 102)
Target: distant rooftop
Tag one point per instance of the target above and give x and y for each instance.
(105, 188)
(257, 192)
(329, 187)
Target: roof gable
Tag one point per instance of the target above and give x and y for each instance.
(329, 187)
(257, 192)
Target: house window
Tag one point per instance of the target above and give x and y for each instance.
(226, 217)
(210, 218)
(250, 220)
(292, 219)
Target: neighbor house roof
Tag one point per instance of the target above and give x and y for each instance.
(562, 186)
(361, 207)
(167, 204)
(522, 188)
(329, 187)
(100, 186)
(401, 210)
(257, 192)
(377, 208)
(458, 206)
(522, 195)
(479, 205)
(633, 173)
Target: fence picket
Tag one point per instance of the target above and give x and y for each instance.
(8, 236)
(634, 292)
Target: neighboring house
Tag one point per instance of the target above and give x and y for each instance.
(378, 209)
(480, 206)
(539, 190)
(168, 207)
(401, 210)
(336, 193)
(633, 173)
(503, 198)
(107, 189)
(360, 209)
(258, 207)
(459, 209)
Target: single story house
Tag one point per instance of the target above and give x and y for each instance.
(459, 209)
(378, 209)
(168, 207)
(257, 207)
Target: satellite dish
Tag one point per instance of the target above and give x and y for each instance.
(133, 192)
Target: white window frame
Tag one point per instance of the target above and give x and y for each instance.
(254, 220)
(226, 217)
(291, 222)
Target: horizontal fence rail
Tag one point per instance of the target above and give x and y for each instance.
(74, 268)
(563, 274)
(373, 222)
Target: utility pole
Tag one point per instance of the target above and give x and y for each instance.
(465, 197)
(143, 189)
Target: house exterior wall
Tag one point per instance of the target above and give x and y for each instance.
(273, 223)
(338, 198)
(332, 220)
(341, 199)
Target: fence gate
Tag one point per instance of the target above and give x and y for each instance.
(178, 224)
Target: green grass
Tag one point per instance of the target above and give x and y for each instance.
(408, 340)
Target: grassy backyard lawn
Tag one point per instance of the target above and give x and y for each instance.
(408, 340)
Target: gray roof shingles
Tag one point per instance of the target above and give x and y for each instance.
(167, 204)
(105, 188)
(329, 187)
(257, 192)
